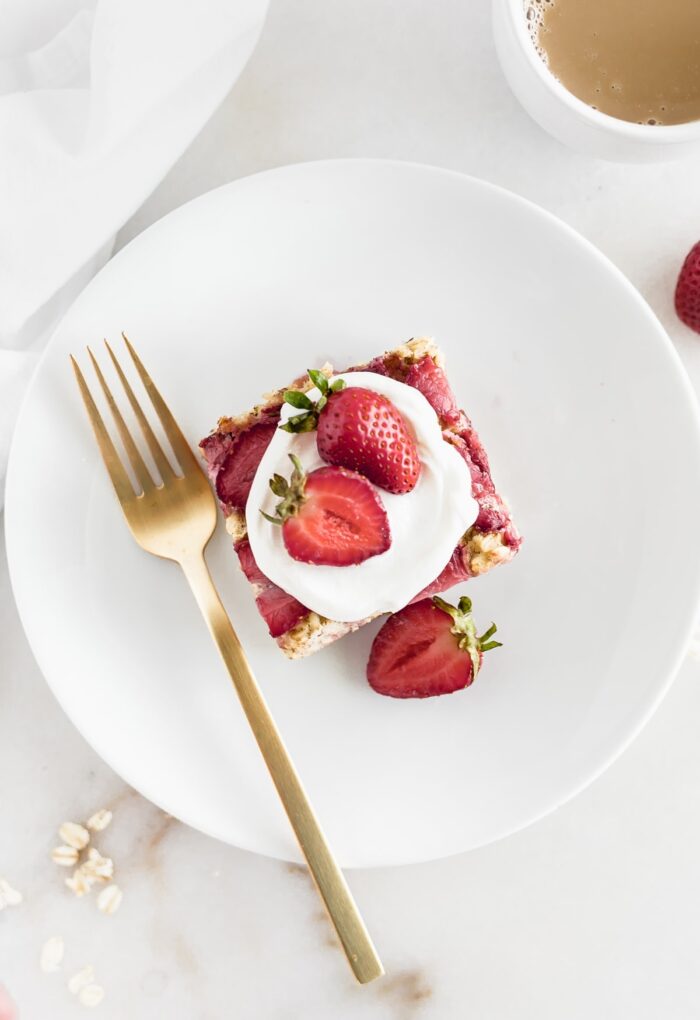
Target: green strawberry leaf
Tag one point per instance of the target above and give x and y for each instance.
(297, 399)
(319, 380)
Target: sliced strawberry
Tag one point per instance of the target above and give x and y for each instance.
(431, 381)
(687, 297)
(279, 610)
(215, 449)
(249, 566)
(428, 648)
(238, 468)
(331, 517)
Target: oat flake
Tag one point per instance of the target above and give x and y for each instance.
(74, 835)
(82, 979)
(66, 856)
(80, 883)
(97, 866)
(52, 954)
(9, 897)
(109, 899)
(100, 820)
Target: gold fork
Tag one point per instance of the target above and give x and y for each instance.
(175, 520)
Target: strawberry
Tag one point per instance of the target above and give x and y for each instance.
(279, 610)
(426, 649)
(430, 380)
(360, 430)
(7, 1006)
(688, 290)
(238, 468)
(331, 516)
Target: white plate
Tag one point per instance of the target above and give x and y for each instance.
(593, 435)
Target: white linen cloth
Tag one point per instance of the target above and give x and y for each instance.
(98, 99)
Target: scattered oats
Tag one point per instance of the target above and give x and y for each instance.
(91, 995)
(100, 820)
(9, 897)
(74, 835)
(82, 979)
(109, 899)
(66, 856)
(97, 867)
(79, 882)
(52, 954)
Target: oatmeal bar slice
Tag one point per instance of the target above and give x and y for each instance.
(491, 540)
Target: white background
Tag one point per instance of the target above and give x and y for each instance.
(592, 912)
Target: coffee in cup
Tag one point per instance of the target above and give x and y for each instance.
(637, 60)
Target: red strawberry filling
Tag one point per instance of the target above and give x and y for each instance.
(453, 573)
(431, 381)
(237, 470)
(279, 610)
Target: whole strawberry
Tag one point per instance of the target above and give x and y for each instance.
(360, 430)
(331, 517)
(688, 290)
(428, 648)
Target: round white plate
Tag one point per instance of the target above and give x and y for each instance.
(592, 431)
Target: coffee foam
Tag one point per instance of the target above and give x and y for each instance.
(534, 19)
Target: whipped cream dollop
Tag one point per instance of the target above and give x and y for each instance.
(426, 524)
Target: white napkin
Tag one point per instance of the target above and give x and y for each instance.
(98, 99)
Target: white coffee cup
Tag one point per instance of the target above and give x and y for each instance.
(566, 117)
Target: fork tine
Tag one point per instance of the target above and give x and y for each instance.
(154, 446)
(115, 468)
(137, 461)
(181, 447)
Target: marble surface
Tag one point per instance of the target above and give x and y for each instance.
(590, 913)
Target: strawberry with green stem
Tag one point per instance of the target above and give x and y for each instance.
(428, 648)
(330, 517)
(359, 429)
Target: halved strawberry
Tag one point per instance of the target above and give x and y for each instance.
(330, 517)
(238, 468)
(428, 648)
(360, 430)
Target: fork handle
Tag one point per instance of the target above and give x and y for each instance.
(361, 954)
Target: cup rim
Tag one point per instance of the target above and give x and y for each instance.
(667, 134)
